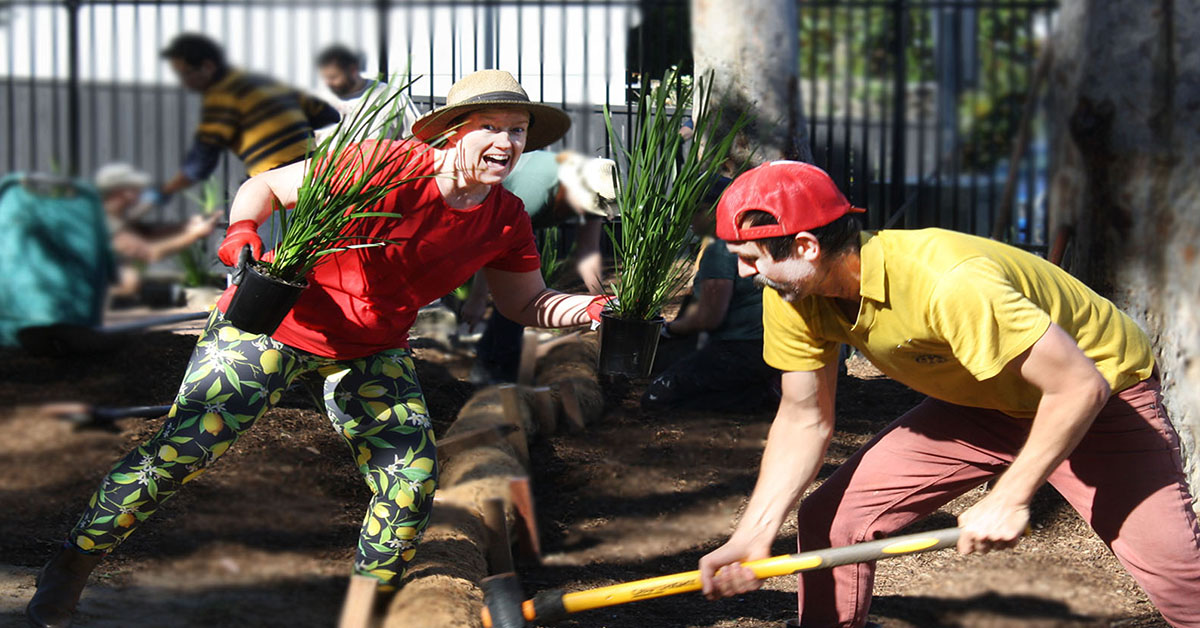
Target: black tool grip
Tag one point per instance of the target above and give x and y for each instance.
(548, 607)
(245, 256)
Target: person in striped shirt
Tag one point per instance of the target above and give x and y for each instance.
(265, 123)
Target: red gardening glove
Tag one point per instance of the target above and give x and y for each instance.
(238, 235)
(597, 306)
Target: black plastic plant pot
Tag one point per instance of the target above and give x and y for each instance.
(260, 303)
(627, 346)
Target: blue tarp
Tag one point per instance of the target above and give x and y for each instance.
(55, 257)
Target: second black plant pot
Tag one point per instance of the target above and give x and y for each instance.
(627, 346)
(260, 303)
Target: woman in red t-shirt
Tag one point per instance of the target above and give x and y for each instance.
(350, 328)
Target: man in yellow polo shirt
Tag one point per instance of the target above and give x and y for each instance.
(1031, 376)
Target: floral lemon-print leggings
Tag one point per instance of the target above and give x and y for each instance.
(234, 377)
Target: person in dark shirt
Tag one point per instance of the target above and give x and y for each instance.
(710, 355)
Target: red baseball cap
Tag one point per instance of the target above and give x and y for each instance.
(800, 196)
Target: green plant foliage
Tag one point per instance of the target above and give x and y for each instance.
(195, 263)
(660, 186)
(195, 260)
(990, 114)
(210, 198)
(548, 245)
(343, 182)
(858, 40)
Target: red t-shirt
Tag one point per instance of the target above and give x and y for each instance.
(363, 301)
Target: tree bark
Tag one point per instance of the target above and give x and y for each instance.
(752, 51)
(1125, 117)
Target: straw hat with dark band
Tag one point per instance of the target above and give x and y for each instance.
(493, 89)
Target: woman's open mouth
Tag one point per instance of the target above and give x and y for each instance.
(496, 162)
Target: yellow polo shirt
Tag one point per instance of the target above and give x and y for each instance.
(944, 312)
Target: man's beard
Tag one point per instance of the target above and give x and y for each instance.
(789, 292)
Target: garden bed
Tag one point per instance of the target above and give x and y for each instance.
(267, 538)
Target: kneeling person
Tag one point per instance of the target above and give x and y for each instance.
(726, 372)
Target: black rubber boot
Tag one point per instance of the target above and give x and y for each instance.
(59, 585)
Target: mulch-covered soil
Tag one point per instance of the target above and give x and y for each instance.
(267, 538)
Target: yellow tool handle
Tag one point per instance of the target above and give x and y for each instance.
(685, 582)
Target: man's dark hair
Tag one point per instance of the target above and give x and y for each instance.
(338, 54)
(194, 49)
(835, 238)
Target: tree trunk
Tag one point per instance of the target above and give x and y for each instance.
(751, 48)
(1125, 119)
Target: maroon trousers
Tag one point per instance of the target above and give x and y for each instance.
(1125, 479)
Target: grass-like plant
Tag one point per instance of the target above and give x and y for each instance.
(660, 187)
(548, 246)
(195, 259)
(343, 182)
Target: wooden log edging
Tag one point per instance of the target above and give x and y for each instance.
(441, 589)
(569, 370)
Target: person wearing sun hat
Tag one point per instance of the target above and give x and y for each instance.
(349, 329)
(1030, 376)
(566, 190)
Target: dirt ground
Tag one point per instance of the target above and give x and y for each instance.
(266, 539)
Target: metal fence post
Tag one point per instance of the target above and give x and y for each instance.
(899, 101)
(382, 10)
(73, 164)
(490, 19)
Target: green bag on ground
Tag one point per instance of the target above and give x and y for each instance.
(55, 257)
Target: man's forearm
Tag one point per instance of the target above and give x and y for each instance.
(795, 450)
(258, 195)
(794, 453)
(1073, 392)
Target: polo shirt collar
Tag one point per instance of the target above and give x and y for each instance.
(871, 271)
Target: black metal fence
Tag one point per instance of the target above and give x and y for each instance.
(83, 82)
(912, 105)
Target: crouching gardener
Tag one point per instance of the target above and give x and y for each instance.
(350, 327)
(1031, 377)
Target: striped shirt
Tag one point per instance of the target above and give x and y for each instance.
(267, 124)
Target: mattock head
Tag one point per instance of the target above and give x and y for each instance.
(502, 599)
